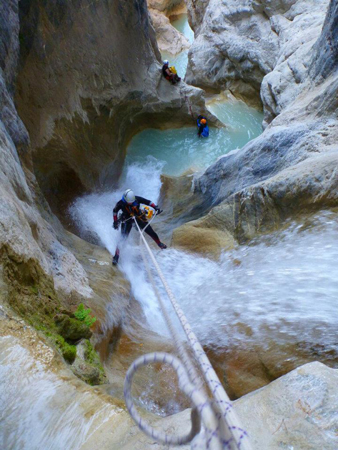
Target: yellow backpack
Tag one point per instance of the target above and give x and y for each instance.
(148, 211)
(173, 70)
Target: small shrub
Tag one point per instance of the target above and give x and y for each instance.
(84, 315)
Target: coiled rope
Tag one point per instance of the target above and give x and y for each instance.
(221, 427)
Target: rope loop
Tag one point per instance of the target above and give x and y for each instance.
(221, 427)
(185, 387)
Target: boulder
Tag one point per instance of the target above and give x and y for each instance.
(296, 411)
(87, 365)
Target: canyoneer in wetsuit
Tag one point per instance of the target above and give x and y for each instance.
(130, 207)
(203, 129)
(168, 74)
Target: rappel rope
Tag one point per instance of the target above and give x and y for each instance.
(189, 106)
(221, 427)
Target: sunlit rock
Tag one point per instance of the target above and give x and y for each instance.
(168, 38)
(238, 43)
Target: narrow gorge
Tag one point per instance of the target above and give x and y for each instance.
(249, 217)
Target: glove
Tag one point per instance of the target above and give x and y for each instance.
(157, 209)
(115, 225)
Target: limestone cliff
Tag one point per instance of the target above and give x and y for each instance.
(168, 38)
(239, 42)
(291, 168)
(89, 79)
(77, 80)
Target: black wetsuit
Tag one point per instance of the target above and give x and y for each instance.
(164, 69)
(129, 211)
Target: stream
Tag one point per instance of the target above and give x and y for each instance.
(180, 61)
(278, 291)
(260, 294)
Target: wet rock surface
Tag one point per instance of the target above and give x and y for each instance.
(287, 171)
(296, 410)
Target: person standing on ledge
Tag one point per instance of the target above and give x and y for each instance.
(130, 207)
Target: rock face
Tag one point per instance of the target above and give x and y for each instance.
(168, 38)
(82, 96)
(239, 42)
(79, 97)
(291, 168)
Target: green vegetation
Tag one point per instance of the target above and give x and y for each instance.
(32, 294)
(92, 357)
(84, 315)
(68, 350)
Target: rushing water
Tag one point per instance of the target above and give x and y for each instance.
(40, 409)
(180, 61)
(280, 288)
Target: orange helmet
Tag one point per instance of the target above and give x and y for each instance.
(203, 121)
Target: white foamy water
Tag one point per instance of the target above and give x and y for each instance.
(39, 409)
(93, 214)
(282, 287)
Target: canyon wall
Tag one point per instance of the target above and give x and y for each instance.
(77, 80)
(290, 170)
(239, 42)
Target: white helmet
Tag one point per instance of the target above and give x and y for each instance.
(129, 196)
(165, 62)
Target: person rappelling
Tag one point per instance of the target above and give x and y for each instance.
(170, 73)
(133, 206)
(202, 124)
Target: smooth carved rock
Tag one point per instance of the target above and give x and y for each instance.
(82, 96)
(238, 43)
(168, 38)
(290, 169)
(297, 410)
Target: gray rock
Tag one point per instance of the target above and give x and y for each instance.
(290, 169)
(297, 411)
(255, 48)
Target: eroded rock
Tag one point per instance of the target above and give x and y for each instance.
(240, 43)
(287, 171)
(168, 38)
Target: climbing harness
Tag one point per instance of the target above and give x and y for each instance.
(213, 419)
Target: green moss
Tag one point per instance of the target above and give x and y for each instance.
(92, 357)
(34, 290)
(68, 351)
(31, 293)
(71, 329)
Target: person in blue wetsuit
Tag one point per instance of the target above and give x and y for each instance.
(203, 129)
